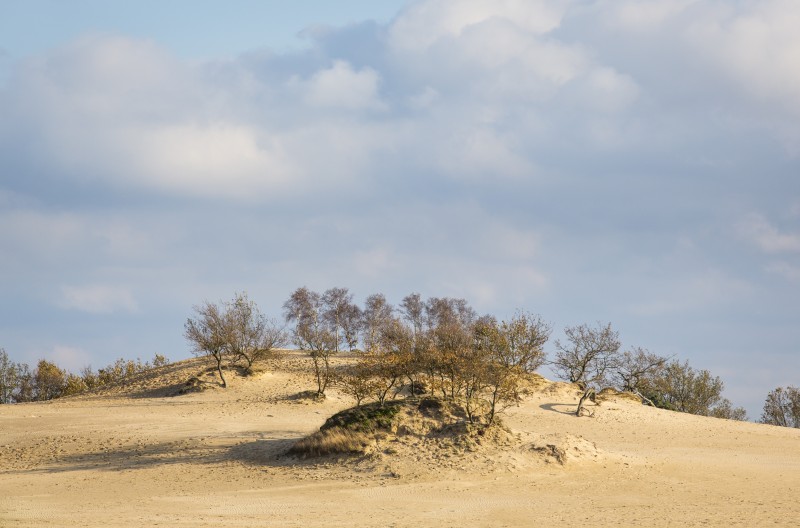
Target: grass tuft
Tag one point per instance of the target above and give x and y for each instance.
(331, 441)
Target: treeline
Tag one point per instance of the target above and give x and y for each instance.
(20, 383)
(438, 346)
(441, 346)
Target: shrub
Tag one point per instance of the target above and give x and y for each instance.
(365, 419)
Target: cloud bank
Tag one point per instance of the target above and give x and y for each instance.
(618, 160)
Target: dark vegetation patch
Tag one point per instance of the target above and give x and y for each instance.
(427, 423)
(365, 419)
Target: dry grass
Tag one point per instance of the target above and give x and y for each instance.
(332, 441)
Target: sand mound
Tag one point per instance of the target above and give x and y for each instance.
(563, 448)
(175, 378)
(421, 435)
(559, 389)
(609, 394)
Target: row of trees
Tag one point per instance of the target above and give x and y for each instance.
(591, 356)
(20, 383)
(441, 346)
(233, 333)
(438, 346)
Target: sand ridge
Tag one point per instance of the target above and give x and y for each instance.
(131, 456)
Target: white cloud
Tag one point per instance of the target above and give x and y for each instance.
(423, 23)
(609, 91)
(72, 359)
(760, 232)
(41, 236)
(503, 285)
(223, 159)
(643, 15)
(341, 87)
(529, 153)
(98, 299)
(757, 46)
(477, 153)
(786, 270)
(703, 291)
(375, 262)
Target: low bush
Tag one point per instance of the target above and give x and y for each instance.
(365, 419)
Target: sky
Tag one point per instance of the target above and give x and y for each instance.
(627, 161)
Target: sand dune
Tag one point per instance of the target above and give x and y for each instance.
(132, 456)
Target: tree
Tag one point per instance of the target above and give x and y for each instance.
(637, 370)
(304, 308)
(782, 407)
(506, 353)
(250, 335)
(26, 384)
(74, 384)
(413, 309)
(89, 378)
(9, 373)
(341, 316)
(357, 381)
(390, 359)
(450, 345)
(376, 315)
(50, 381)
(684, 389)
(351, 321)
(208, 334)
(588, 355)
(725, 409)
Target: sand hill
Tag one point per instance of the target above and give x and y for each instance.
(135, 456)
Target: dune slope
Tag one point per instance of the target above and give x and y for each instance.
(131, 456)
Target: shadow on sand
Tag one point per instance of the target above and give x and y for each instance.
(261, 452)
(560, 408)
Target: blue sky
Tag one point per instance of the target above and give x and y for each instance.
(189, 28)
(625, 161)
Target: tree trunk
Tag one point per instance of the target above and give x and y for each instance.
(645, 399)
(219, 370)
(588, 394)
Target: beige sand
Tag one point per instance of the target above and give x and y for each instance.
(212, 459)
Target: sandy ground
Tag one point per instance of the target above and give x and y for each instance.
(132, 457)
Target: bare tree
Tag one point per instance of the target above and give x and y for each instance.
(444, 311)
(251, 336)
(413, 310)
(336, 312)
(208, 334)
(351, 322)
(26, 384)
(782, 407)
(448, 345)
(376, 315)
(507, 352)
(357, 381)
(637, 371)
(587, 357)
(305, 309)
